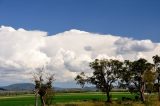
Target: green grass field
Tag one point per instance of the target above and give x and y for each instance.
(90, 96)
(28, 100)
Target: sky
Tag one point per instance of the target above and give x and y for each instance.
(132, 18)
(65, 35)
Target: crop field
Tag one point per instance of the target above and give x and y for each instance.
(60, 98)
(90, 96)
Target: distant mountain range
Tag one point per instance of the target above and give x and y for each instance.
(19, 87)
(30, 87)
(2, 89)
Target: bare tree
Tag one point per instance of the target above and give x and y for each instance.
(42, 88)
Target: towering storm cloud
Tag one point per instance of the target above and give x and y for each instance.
(65, 54)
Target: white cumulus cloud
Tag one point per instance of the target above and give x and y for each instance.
(65, 54)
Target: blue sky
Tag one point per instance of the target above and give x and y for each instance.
(139, 19)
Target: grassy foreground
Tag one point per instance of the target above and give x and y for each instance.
(78, 99)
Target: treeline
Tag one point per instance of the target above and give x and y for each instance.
(138, 76)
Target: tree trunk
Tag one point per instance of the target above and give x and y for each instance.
(158, 90)
(108, 97)
(142, 92)
(142, 96)
(36, 97)
(42, 101)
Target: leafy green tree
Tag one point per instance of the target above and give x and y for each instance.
(105, 72)
(136, 73)
(149, 79)
(156, 60)
(81, 79)
(126, 74)
(138, 69)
